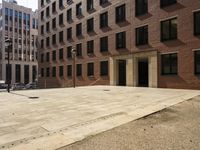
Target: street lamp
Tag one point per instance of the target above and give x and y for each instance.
(73, 51)
(8, 45)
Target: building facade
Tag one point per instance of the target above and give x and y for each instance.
(152, 43)
(19, 24)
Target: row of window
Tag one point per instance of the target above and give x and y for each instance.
(169, 63)
(168, 32)
(141, 7)
(90, 70)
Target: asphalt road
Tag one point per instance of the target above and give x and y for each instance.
(174, 128)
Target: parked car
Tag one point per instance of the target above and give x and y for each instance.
(32, 85)
(18, 86)
(3, 86)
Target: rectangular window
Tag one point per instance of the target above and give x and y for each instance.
(104, 44)
(197, 23)
(90, 47)
(47, 12)
(61, 4)
(165, 3)
(104, 20)
(61, 37)
(47, 72)
(61, 19)
(69, 70)
(18, 73)
(61, 54)
(90, 5)
(47, 57)
(54, 23)
(90, 69)
(104, 68)
(54, 7)
(54, 72)
(141, 7)
(79, 9)
(78, 70)
(103, 2)
(142, 35)
(69, 33)
(69, 53)
(79, 50)
(69, 14)
(120, 14)
(169, 64)
(121, 40)
(54, 55)
(197, 62)
(54, 39)
(42, 72)
(79, 29)
(169, 29)
(61, 71)
(47, 27)
(42, 58)
(90, 25)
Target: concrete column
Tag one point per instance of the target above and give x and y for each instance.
(153, 71)
(22, 73)
(113, 71)
(135, 71)
(4, 71)
(129, 72)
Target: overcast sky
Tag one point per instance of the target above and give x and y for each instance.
(28, 3)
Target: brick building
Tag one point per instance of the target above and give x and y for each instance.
(19, 24)
(154, 43)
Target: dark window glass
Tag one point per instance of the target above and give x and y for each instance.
(79, 9)
(42, 58)
(169, 64)
(102, 2)
(42, 72)
(69, 53)
(61, 53)
(54, 72)
(61, 71)
(78, 70)
(61, 37)
(61, 19)
(79, 29)
(69, 33)
(120, 13)
(47, 27)
(90, 69)
(90, 47)
(54, 39)
(169, 29)
(54, 23)
(104, 20)
(197, 23)
(90, 25)
(104, 68)
(54, 55)
(47, 57)
(54, 7)
(141, 7)
(121, 40)
(69, 70)
(104, 44)
(79, 50)
(142, 35)
(69, 15)
(197, 62)
(90, 5)
(60, 4)
(47, 72)
(164, 3)
(18, 73)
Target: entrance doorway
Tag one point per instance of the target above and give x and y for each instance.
(143, 73)
(122, 72)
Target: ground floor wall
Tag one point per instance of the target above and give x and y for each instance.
(20, 72)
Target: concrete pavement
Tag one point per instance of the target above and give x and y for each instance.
(62, 116)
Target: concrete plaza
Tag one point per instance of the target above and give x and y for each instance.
(63, 116)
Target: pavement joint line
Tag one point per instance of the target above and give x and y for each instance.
(75, 126)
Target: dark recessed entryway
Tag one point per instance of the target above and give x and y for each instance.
(122, 72)
(143, 73)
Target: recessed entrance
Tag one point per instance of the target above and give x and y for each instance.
(143, 73)
(122, 72)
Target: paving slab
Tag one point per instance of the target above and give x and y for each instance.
(63, 116)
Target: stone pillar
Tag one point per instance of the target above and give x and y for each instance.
(30, 73)
(13, 73)
(129, 72)
(153, 71)
(113, 71)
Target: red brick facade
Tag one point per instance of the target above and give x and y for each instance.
(184, 45)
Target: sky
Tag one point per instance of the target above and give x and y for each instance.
(28, 3)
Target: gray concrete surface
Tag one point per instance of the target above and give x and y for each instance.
(174, 128)
(63, 116)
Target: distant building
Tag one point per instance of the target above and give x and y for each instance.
(20, 24)
(154, 43)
